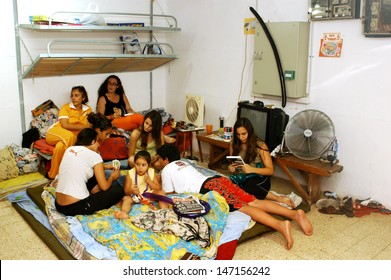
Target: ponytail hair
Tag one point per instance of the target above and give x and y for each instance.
(99, 121)
(86, 137)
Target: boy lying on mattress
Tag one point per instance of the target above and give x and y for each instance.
(179, 176)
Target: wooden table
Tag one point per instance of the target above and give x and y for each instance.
(218, 148)
(183, 134)
(312, 169)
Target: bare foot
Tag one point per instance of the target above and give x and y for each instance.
(304, 222)
(120, 215)
(286, 232)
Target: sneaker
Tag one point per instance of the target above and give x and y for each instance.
(295, 198)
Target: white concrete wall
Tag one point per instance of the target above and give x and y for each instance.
(351, 90)
(9, 97)
(36, 91)
(212, 51)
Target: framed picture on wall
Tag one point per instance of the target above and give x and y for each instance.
(377, 18)
(334, 9)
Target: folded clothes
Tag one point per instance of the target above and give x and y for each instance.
(237, 222)
(43, 146)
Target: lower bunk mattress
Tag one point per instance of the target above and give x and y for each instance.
(115, 235)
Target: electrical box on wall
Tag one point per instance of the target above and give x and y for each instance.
(377, 18)
(292, 43)
(333, 9)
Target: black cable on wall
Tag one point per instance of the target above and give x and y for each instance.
(276, 55)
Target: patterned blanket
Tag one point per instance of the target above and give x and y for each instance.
(129, 241)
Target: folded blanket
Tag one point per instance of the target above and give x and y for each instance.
(43, 146)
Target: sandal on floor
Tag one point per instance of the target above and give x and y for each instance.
(363, 201)
(384, 211)
(331, 211)
(375, 204)
(364, 210)
(369, 203)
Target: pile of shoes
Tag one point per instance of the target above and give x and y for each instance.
(367, 206)
(333, 205)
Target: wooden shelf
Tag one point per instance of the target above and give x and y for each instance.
(68, 64)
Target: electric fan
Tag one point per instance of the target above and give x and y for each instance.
(194, 110)
(309, 134)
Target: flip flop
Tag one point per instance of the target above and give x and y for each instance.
(384, 211)
(369, 203)
(375, 204)
(364, 210)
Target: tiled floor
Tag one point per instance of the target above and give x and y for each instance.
(336, 237)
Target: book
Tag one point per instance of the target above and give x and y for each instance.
(188, 205)
(236, 159)
(126, 24)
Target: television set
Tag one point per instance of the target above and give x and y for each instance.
(269, 123)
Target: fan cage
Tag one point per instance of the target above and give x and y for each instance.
(194, 110)
(309, 134)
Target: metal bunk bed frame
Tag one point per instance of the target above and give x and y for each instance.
(61, 64)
